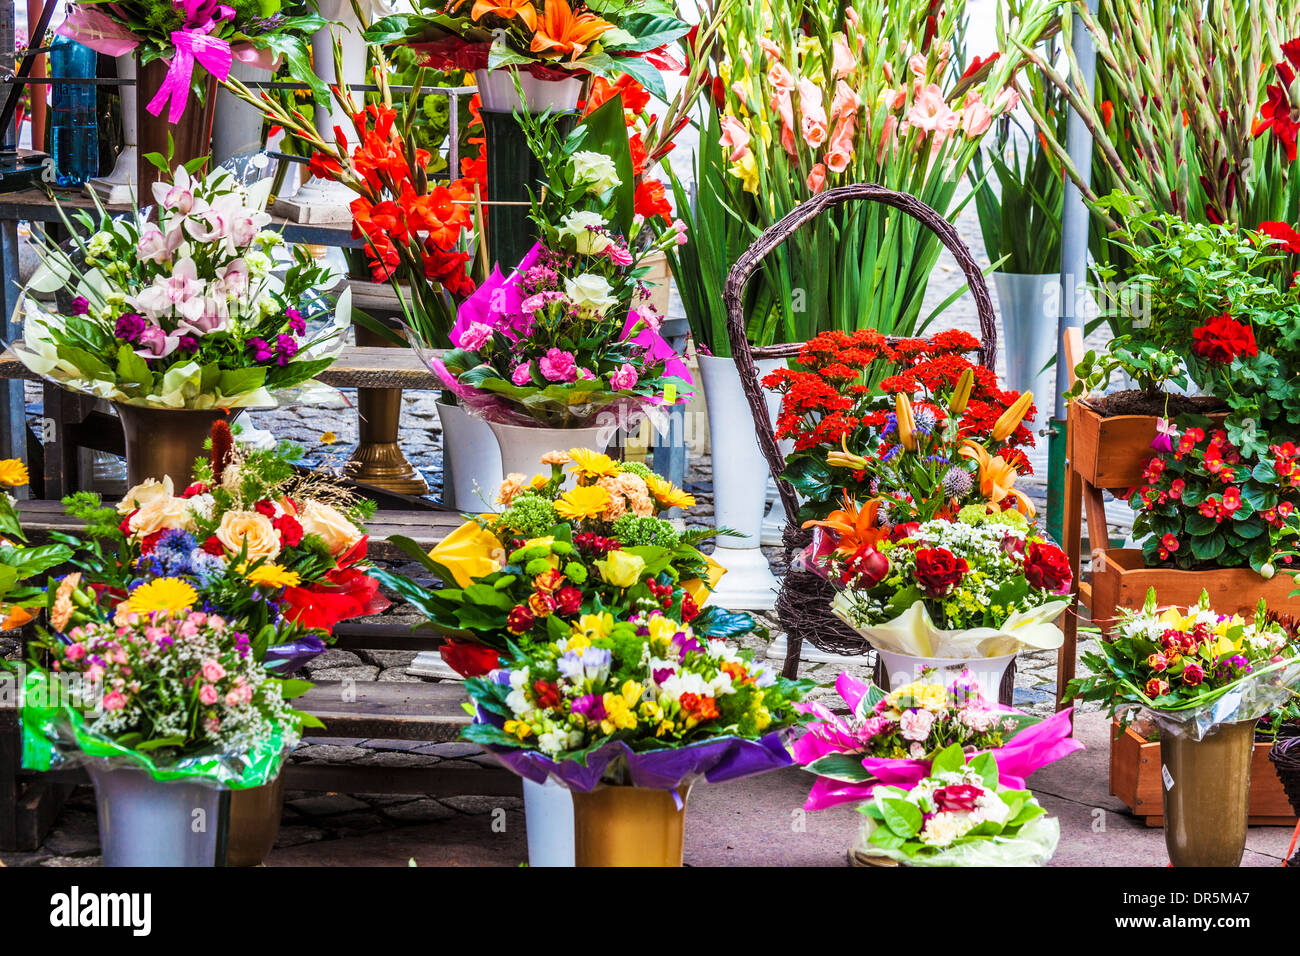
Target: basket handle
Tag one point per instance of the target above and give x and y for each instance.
(774, 236)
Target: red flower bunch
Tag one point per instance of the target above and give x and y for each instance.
(1276, 113)
(1047, 567)
(1223, 339)
(938, 570)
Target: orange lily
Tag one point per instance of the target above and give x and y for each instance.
(562, 33)
(855, 527)
(506, 9)
(997, 478)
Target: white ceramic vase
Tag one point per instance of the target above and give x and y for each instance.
(1028, 304)
(522, 446)
(236, 126)
(498, 93)
(548, 817)
(739, 486)
(471, 461)
(118, 187)
(988, 671)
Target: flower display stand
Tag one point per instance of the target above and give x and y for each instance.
(1135, 778)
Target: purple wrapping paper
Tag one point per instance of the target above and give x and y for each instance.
(287, 658)
(718, 760)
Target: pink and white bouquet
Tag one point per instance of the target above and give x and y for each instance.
(187, 309)
(892, 738)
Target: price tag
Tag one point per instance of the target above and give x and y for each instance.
(1167, 777)
(670, 394)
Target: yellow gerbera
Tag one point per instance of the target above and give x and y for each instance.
(592, 464)
(13, 473)
(273, 576)
(583, 502)
(667, 494)
(162, 594)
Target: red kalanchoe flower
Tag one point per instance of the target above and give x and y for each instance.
(938, 570)
(1223, 339)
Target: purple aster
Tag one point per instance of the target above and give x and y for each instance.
(129, 327)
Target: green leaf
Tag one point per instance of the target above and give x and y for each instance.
(845, 767)
(986, 766)
(902, 817)
(948, 760)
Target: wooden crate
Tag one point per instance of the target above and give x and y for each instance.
(1122, 581)
(1135, 779)
(1110, 452)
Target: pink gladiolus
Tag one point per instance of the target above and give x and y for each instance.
(976, 119)
(845, 102)
(929, 112)
(812, 115)
(817, 178)
(916, 63)
(888, 137)
(843, 62)
(770, 48)
(840, 150)
(734, 137)
(1006, 101)
(780, 78)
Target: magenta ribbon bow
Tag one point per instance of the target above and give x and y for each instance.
(193, 45)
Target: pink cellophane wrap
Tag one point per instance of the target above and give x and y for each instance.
(1035, 746)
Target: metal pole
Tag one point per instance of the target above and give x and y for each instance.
(1074, 266)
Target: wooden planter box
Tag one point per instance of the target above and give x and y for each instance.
(1110, 452)
(1123, 580)
(1135, 779)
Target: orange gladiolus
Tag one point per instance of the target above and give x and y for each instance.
(562, 33)
(855, 527)
(997, 478)
(506, 9)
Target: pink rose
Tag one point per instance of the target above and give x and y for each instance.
(114, 700)
(522, 375)
(234, 698)
(213, 671)
(207, 695)
(915, 725)
(474, 337)
(559, 366)
(624, 377)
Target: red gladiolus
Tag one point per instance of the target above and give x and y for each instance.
(469, 660)
(650, 200)
(938, 570)
(1223, 339)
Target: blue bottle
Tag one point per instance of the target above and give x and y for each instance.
(74, 135)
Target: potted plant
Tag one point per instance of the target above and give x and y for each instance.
(579, 546)
(1205, 678)
(893, 738)
(181, 320)
(278, 559)
(958, 815)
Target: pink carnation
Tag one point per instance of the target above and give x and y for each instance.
(559, 366)
(624, 377)
(522, 375)
(114, 700)
(474, 337)
(207, 695)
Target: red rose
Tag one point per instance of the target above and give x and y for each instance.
(125, 526)
(214, 546)
(957, 797)
(1193, 674)
(1047, 567)
(548, 694)
(568, 600)
(938, 570)
(1223, 339)
(865, 569)
(1157, 687)
(198, 488)
(264, 507)
(904, 530)
(520, 619)
(690, 610)
(469, 660)
(290, 530)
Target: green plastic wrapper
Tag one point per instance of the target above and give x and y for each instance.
(57, 737)
(1032, 846)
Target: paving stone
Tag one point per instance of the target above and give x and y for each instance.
(329, 753)
(327, 804)
(401, 745)
(296, 836)
(74, 861)
(14, 858)
(393, 759)
(385, 799)
(386, 659)
(457, 748)
(77, 834)
(334, 657)
(419, 811)
(359, 822)
(358, 673)
(1029, 695)
(479, 805)
(399, 674)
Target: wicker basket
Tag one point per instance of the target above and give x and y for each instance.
(1285, 754)
(803, 605)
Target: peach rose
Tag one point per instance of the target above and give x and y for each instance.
(329, 524)
(249, 530)
(160, 513)
(143, 493)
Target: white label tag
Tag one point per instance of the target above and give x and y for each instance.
(1167, 777)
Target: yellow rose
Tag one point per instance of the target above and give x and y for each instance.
(621, 569)
(162, 512)
(144, 493)
(328, 523)
(250, 530)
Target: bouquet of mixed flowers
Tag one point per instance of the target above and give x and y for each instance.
(1204, 504)
(913, 422)
(566, 548)
(891, 738)
(277, 554)
(551, 39)
(641, 699)
(959, 815)
(570, 334)
(1191, 668)
(984, 584)
(184, 312)
(196, 38)
(176, 691)
(17, 562)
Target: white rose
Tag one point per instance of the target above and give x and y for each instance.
(580, 226)
(594, 170)
(329, 524)
(143, 494)
(589, 293)
(160, 514)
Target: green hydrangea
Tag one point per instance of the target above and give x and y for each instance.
(982, 514)
(531, 516)
(633, 530)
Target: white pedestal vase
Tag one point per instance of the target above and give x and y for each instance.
(236, 126)
(497, 92)
(774, 523)
(901, 669)
(522, 446)
(471, 461)
(1028, 304)
(119, 185)
(324, 200)
(548, 816)
(739, 487)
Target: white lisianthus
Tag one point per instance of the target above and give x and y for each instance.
(587, 232)
(99, 244)
(590, 293)
(594, 170)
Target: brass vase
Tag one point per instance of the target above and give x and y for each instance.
(1207, 795)
(254, 823)
(628, 826)
(378, 459)
(165, 441)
